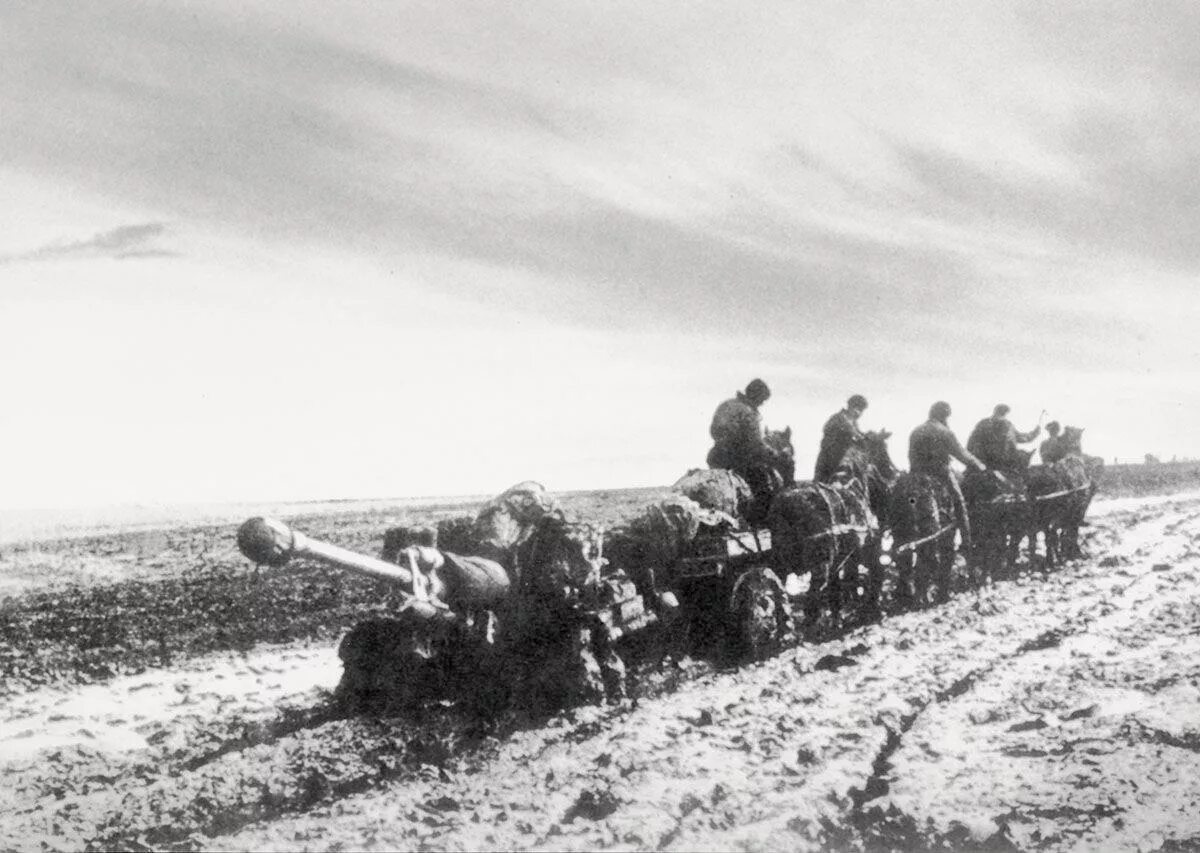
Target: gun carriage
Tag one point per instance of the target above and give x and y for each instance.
(549, 627)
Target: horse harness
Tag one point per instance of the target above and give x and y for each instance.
(908, 546)
(836, 528)
(1014, 499)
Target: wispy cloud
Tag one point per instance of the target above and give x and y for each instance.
(872, 199)
(124, 242)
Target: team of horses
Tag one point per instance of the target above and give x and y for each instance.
(872, 515)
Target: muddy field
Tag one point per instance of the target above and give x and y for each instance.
(160, 693)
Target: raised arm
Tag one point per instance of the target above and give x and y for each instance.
(961, 453)
(1023, 437)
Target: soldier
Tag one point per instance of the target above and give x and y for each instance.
(839, 434)
(930, 448)
(994, 440)
(738, 442)
(1054, 448)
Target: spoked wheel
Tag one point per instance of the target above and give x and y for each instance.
(762, 619)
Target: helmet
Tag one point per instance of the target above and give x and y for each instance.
(939, 411)
(1001, 410)
(758, 391)
(858, 401)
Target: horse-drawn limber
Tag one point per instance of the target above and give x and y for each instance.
(521, 606)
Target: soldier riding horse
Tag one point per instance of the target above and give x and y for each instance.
(1024, 500)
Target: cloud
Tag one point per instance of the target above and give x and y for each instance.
(239, 126)
(124, 242)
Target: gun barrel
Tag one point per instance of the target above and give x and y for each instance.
(271, 542)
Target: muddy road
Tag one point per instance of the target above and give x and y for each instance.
(148, 708)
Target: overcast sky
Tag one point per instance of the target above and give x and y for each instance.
(309, 250)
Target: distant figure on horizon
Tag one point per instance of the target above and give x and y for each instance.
(839, 434)
(930, 449)
(738, 441)
(994, 441)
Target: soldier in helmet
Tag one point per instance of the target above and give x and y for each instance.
(839, 434)
(931, 446)
(738, 441)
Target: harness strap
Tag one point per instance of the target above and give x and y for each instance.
(908, 546)
(1062, 494)
(839, 530)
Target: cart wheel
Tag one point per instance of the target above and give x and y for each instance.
(762, 619)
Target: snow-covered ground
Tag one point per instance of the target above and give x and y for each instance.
(1048, 712)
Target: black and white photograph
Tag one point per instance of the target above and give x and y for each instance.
(431, 425)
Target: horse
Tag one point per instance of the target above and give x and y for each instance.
(824, 528)
(999, 508)
(923, 523)
(1081, 474)
(784, 466)
(1059, 494)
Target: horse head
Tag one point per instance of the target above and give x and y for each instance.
(868, 463)
(875, 443)
(1072, 438)
(785, 465)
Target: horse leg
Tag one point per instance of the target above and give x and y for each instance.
(834, 585)
(925, 557)
(1052, 545)
(1035, 527)
(874, 582)
(1012, 550)
(1069, 543)
(812, 560)
(945, 569)
(905, 593)
(980, 564)
(981, 560)
(1016, 531)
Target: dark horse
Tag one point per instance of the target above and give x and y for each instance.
(1000, 512)
(1060, 495)
(923, 522)
(1025, 500)
(828, 529)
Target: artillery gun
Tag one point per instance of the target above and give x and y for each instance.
(521, 607)
(539, 634)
